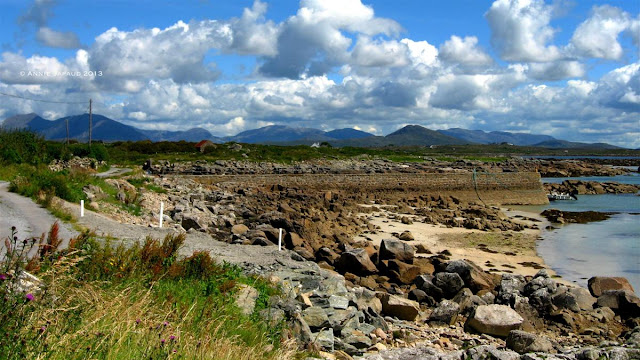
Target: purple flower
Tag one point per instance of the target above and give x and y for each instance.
(137, 321)
(3, 276)
(166, 323)
(162, 341)
(174, 351)
(29, 297)
(172, 337)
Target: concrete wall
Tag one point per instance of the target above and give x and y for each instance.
(494, 189)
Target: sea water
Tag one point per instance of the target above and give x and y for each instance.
(604, 248)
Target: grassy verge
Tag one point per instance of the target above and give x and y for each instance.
(43, 185)
(102, 301)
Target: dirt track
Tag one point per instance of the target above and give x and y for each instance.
(28, 217)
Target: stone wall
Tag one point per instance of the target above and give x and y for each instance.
(493, 189)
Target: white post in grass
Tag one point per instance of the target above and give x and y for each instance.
(280, 241)
(81, 208)
(161, 210)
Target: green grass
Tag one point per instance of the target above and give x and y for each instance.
(106, 301)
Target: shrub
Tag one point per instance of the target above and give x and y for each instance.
(22, 146)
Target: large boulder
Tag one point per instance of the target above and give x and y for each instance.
(622, 302)
(403, 309)
(356, 261)
(599, 284)
(394, 249)
(473, 276)
(450, 283)
(496, 320)
(524, 342)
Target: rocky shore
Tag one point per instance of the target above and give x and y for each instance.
(582, 187)
(366, 165)
(352, 288)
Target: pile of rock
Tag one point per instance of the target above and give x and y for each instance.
(582, 187)
(75, 163)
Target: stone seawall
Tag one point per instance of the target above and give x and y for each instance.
(491, 188)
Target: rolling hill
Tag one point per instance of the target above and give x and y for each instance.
(106, 129)
(496, 137)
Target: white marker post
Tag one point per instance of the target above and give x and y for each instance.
(280, 241)
(81, 208)
(161, 211)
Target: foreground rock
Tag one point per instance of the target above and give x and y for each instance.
(401, 308)
(524, 342)
(497, 320)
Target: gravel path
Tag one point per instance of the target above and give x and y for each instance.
(33, 220)
(28, 217)
(113, 171)
(104, 226)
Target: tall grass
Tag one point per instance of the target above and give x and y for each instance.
(102, 301)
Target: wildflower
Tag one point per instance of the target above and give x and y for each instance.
(43, 329)
(162, 341)
(172, 338)
(29, 297)
(138, 321)
(166, 323)
(24, 242)
(174, 351)
(13, 228)
(3, 277)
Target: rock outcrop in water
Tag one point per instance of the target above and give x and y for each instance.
(582, 187)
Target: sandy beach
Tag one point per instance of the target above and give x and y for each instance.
(494, 251)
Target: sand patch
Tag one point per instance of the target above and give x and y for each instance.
(495, 251)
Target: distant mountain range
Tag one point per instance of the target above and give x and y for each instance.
(496, 137)
(106, 129)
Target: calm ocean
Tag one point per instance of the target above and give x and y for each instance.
(607, 248)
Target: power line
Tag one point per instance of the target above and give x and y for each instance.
(45, 101)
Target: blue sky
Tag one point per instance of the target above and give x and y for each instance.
(564, 68)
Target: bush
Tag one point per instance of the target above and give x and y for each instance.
(22, 146)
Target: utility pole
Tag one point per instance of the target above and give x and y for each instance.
(67, 121)
(90, 120)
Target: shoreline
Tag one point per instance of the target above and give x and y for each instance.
(494, 251)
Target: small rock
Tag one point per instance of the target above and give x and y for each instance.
(246, 299)
(324, 339)
(406, 236)
(394, 249)
(446, 312)
(239, 229)
(450, 283)
(524, 342)
(356, 261)
(338, 302)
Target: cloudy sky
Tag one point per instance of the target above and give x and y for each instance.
(564, 68)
